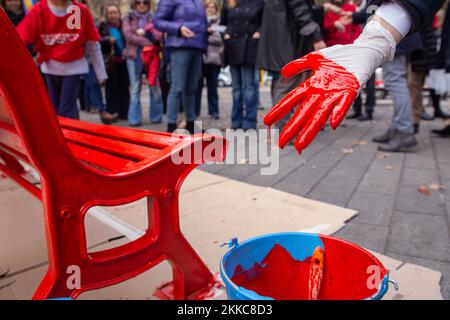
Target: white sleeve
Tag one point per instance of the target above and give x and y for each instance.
(95, 53)
(397, 16)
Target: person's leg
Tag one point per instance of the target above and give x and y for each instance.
(54, 84)
(134, 111)
(112, 93)
(401, 133)
(212, 76)
(192, 82)
(94, 98)
(156, 104)
(415, 84)
(82, 95)
(436, 100)
(396, 82)
(68, 99)
(124, 89)
(357, 108)
(237, 112)
(371, 98)
(179, 68)
(251, 96)
(199, 92)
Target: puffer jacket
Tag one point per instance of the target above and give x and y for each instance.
(215, 53)
(173, 14)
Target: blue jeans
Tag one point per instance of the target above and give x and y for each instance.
(92, 92)
(245, 96)
(185, 70)
(135, 110)
(395, 76)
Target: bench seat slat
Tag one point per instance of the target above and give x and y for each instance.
(157, 140)
(117, 148)
(98, 159)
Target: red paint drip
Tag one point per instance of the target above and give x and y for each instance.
(278, 276)
(329, 93)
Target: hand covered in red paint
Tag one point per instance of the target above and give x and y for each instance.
(339, 73)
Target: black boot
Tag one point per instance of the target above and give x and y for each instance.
(416, 128)
(171, 127)
(190, 126)
(438, 113)
(400, 142)
(354, 115)
(365, 117)
(444, 133)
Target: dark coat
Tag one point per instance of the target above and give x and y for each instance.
(242, 22)
(288, 31)
(15, 18)
(426, 59)
(173, 14)
(444, 53)
(421, 11)
(107, 47)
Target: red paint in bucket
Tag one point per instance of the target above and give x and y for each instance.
(278, 276)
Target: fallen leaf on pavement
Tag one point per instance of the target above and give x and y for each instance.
(347, 151)
(437, 186)
(389, 168)
(360, 143)
(381, 156)
(425, 190)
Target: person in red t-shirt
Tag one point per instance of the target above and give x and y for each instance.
(61, 32)
(336, 31)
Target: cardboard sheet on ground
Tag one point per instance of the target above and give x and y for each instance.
(213, 210)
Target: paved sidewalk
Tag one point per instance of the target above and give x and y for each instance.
(394, 218)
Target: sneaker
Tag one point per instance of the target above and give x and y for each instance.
(400, 142)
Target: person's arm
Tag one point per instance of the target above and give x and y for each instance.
(420, 11)
(163, 18)
(303, 16)
(339, 73)
(130, 36)
(94, 51)
(105, 38)
(28, 28)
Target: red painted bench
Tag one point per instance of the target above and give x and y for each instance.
(82, 165)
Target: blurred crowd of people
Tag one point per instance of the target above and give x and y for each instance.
(175, 46)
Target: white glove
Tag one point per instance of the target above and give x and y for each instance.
(339, 73)
(375, 46)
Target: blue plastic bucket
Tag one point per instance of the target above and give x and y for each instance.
(348, 272)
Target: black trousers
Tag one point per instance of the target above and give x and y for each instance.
(117, 90)
(370, 98)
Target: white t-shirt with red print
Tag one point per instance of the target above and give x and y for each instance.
(61, 47)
